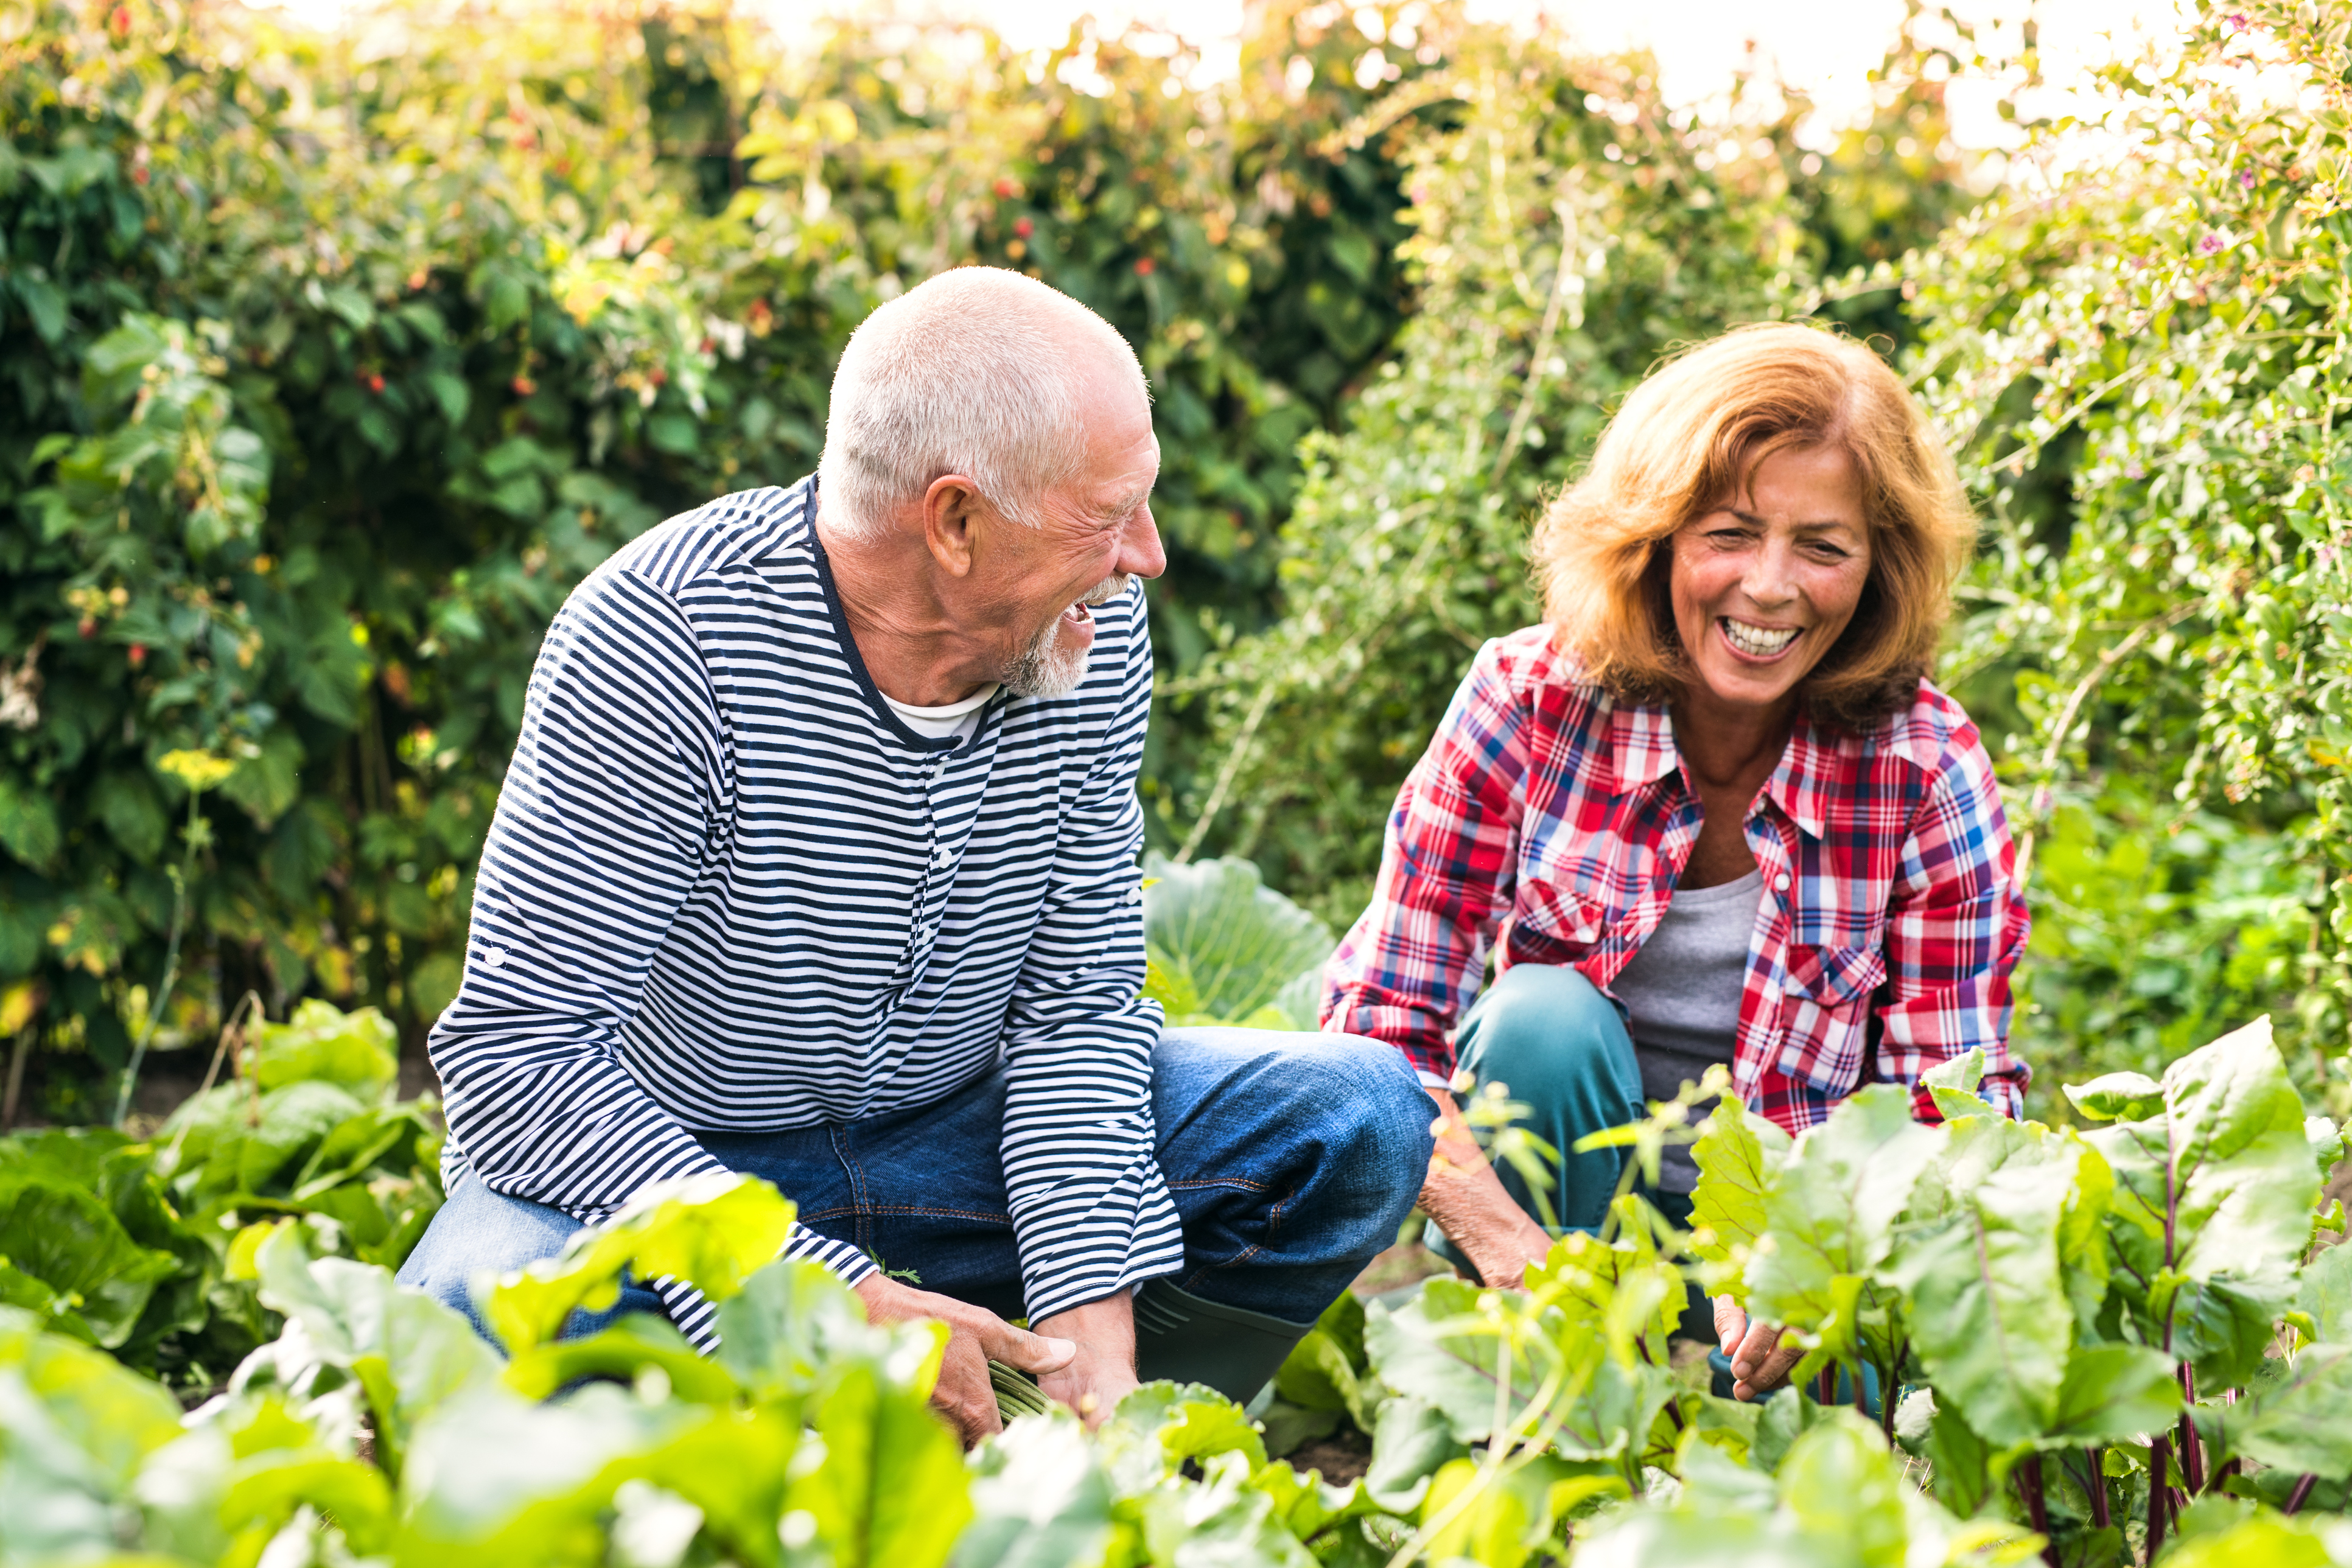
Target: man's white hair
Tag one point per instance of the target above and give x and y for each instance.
(970, 373)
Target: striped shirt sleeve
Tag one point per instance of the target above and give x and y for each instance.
(619, 791)
(1091, 1213)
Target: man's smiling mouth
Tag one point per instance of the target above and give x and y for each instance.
(1758, 642)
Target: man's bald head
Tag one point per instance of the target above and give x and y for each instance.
(978, 371)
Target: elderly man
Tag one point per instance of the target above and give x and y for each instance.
(816, 860)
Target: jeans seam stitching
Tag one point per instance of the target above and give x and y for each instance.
(857, 1175)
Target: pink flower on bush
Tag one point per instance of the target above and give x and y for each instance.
(2210, 244)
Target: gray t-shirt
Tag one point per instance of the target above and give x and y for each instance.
(1683, 991)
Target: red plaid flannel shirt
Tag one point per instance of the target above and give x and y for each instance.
(1561, 817)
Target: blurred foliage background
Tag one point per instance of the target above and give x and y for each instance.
(330, 363)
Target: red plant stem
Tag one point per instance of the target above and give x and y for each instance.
(2160, 1458)
(2100, 1517)
(2037, 1506)
(1825, 1386)
(2192, 1451)
(2302, 1494)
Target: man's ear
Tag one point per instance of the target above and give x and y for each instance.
(952, 509)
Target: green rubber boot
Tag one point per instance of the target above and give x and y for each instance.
(1234, 1350)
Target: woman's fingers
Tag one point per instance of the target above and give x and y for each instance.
(1730, 1324)
(1777, 1365)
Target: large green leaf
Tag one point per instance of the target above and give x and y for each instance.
(1840, 1500)
(1736, 1154)
(1039, 1498)
(710, 1231)
(116, 1417)
(1830, 1209)
(2113, 1394)
(1989, 1317)
(358, 1051)
(1413, 1440)
(1226, 944)
(74, 1428)
(625, 1352)
(892, 1492)
(790, 1322)
(409, 1352)
(495, 1479)
(2215, 1188)
(230, 1139)
(55, 1230)
(1445, 1348)
(2299, 1423)
(2324, 1295)
(1157, 1429)
(1221, 1520)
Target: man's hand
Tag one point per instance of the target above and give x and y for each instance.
(1103, 1370)
(975, 1337)
(1469, 1202)
(1758, 1364)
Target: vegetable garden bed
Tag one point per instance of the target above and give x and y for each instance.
(2108, 1346)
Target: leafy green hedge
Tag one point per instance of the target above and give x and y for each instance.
(332, 368)
(2118, 1346)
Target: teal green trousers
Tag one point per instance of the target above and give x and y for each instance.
(1560, 1047)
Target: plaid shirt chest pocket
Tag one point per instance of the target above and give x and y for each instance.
(1826, 1010)
(1553, 924)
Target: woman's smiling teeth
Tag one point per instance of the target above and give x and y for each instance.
(1757, 642)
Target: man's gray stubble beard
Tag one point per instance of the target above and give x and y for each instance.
(1043, 667)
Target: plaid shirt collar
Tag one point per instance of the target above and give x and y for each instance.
(1642, 751)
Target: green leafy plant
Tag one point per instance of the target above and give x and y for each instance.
(2138, 355)
(144, 1248)
(1220, 947)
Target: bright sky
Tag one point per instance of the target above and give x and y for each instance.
(1827, 47)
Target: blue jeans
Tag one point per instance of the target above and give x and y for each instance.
(1292, 1159)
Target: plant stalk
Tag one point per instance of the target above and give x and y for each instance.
(2101, 1514)
(2301, 1495)
(16, 1056)
(2037, 1506)
(171, 966)
(2160, 1466)
(2192, 1452)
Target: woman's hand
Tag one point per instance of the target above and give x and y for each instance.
(1466, 1199)
(1760, 1363)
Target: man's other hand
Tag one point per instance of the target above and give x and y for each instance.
(976, 1336)
(1102, 1372)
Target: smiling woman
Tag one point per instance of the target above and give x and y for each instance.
(1713, 813)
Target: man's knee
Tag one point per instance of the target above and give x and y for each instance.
(1352, 1102)
(1372, 1116)
(480, 1233)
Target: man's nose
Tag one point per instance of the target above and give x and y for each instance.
(1140, 551)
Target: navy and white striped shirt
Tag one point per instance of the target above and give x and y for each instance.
(727, 888)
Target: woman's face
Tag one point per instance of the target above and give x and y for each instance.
(1763, 587)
